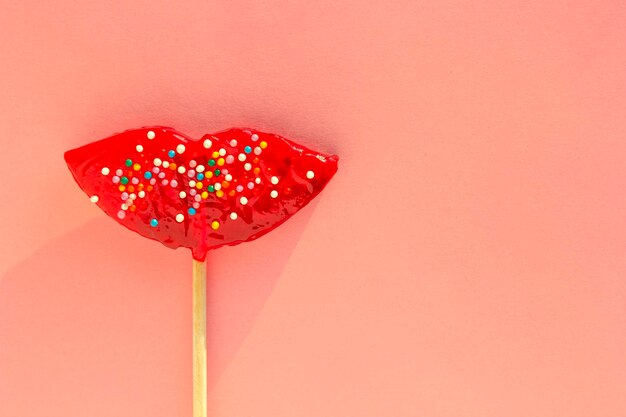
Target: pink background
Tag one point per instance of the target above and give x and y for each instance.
(469, 259)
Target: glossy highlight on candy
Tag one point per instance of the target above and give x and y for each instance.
(222, 189)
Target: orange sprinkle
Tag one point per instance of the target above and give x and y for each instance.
(225, 184)
(256, 170)
(149, 188)
(231, 193)
(140, 187)
(172, 166)
(256, 160)
(133, 208)
(131, 188)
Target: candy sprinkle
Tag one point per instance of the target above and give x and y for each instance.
(151, 134)
(215, 225)
(154, 222)
(94, 198)
(180, 217)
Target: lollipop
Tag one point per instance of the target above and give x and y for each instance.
(223, 189)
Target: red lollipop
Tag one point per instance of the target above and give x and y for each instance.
(223, 189)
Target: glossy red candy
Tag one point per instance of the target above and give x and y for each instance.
(223, 189)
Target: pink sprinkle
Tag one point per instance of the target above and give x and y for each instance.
(135, 180)
(119, 172)
(196, 205)
(191, 173)
(155, 170)
(240, 188)
(174, 183)
(224, 171)
(124, 196)
(116, 179)
(192, 164)
(257, 151)
(192, 191)
(197, 197)
(129, 202)
(250, 185)
(121, 214)
(230, 159)
(152, 181)
(161, 175)
(165, 182)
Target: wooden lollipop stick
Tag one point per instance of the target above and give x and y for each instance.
(199, 340)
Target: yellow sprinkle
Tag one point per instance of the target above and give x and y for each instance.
(204, 195)
(208, 174)
(122, 187)
(219, 193)
(215, 225)
(136, 167)
(199, 185)
(263, 145)
(220, 161)
(216, 154)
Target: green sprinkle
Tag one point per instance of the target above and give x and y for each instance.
(212, 162)
(217, 172)
(211, 188)
(128, 162)
(124, 180)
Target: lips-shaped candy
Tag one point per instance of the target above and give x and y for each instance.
(223, 189)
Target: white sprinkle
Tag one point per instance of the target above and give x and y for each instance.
(257, 180)
(254, 137)
(233, 142)
(94, 198)
(207, 143)
(182, 194)
(180, 148)
(139, 148)
(141, 194)
(151, 134)
(180, 217)
(222, 152)
(228, 177)
(181, 169)
(166, 164)
(124, 206)
(274, 180)
(192, 183)
(274, 194)
(157, 162)
(200, 168)
(242, 157)
(247, 166)
(233, 216)
(310, 175)
(243, 200)
(258, 150)
(133, 196)
(105, 171)
(217, 186)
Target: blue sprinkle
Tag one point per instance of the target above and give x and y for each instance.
(191, 211)
(154, 222)
(171, 153)
(200, 176)
(147, 175)
(247, 149)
